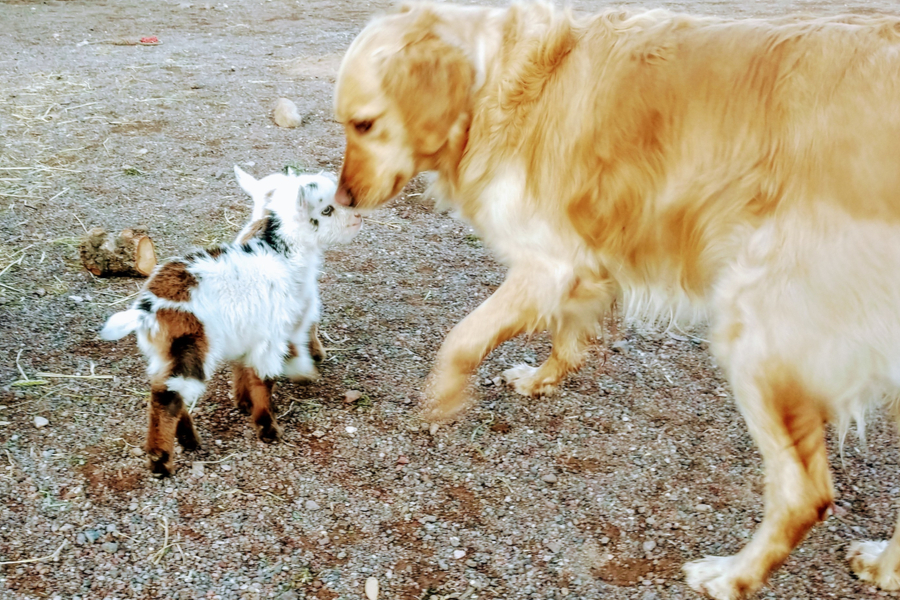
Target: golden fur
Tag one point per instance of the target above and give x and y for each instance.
(682, 166)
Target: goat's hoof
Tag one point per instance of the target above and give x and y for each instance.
(161, 463)
(267, 430)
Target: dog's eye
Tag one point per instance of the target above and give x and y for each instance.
(328, 210)
(362, 126)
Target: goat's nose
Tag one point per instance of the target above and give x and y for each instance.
(344, 196)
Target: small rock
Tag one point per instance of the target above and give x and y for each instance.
(76, 299)
(498, 381)
(554, 547)
(402, 460)
(429, 519)
(704, 508)
(564, 591)
(136, 451)
(289, 595)
(312, 505)
(318, 433)
(621, 346)
(197, 469)
(351, 429)
(454, 541)
(352, 396)
(286, 114)
(142, 152)
(110, 528)
(372, 588)
(433, 428)
(40, 292)
(550, 478)
(649, 545)
(226, 467)
(111, 547)
(471, 563)
(80, 539)
(604, 540)
(487, 383)
(457, 554)
(92, 535)
(40, 422)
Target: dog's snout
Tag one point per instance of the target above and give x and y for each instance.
(344, 196)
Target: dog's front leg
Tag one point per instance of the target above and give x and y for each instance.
(515, 307)
(580, 310)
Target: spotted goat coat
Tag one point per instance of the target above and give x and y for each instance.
(254, 302)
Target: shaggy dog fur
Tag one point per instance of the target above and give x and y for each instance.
(252, 302)
(682, 166)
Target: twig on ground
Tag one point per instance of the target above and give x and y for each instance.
(58, 195)
(391, 225)
(53, 556)
(165, 546)
(19, 365)
(287, 412)
(80, 223)
(213, 462)
(63, 376)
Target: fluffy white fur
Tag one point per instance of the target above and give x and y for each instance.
(253, 300)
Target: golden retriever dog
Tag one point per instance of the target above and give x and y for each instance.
(748, 171)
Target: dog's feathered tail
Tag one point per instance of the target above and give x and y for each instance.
(121, 324)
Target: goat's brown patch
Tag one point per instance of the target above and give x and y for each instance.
(172, 282)
(256, 230)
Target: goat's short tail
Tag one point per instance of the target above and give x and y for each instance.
(122, 323)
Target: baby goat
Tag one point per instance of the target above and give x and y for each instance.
(253, 302)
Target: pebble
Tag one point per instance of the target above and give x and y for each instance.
(92, 535)
(351, 429)
(40, 422)
(457, 554)
(550, 478)
(454, 541)
(76, 299)
(402, 460)
(704, 508)
(312, 505)
(554, 547)
(498, 381)
(649, 545)
(197, 469)
(111, 547)
(80, 539)
(136, 451)
(352, 396)
(318, 433)
(372, 588)
(41, 292)
(226, 467)
(604, 540)
(286, 114)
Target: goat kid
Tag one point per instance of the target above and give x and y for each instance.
(254, 302)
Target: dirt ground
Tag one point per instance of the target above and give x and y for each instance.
(640, 463)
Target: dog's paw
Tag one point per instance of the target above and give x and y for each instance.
(864, 560)
(718, 577)
(528, 381)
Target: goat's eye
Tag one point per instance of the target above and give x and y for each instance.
(362, 126)
(328, 210)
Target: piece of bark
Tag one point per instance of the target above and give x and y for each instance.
(130, 254)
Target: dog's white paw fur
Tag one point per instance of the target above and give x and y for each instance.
(716, 577)
(863, 557)
(525, 381)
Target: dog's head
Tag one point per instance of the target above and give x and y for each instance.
(302, 203)
(402, 92)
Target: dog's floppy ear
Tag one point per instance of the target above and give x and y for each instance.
(430, 80)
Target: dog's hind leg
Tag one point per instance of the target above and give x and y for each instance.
(878, 562)
(577, 319)
(787, 423)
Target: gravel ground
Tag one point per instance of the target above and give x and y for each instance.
(639, 464)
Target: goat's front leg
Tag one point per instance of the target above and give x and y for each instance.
(519, 305)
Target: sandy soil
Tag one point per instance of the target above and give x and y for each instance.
(639, 464)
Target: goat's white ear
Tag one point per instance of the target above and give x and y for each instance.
(245, 180)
